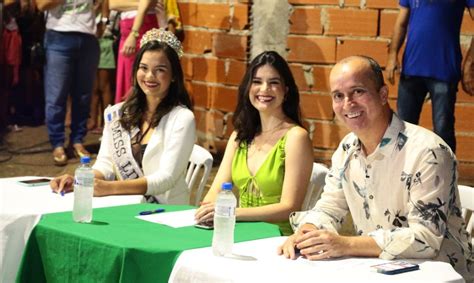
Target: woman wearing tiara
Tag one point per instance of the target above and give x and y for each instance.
(137, 17)
(269, 156)
(148, 138)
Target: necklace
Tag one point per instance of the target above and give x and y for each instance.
(266, 137)
(277, 126)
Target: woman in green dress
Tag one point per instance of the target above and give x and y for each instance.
(269, 155)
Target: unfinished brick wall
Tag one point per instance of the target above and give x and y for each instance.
(217, 40)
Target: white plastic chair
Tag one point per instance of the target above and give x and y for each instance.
(200, 159)
(315, 186)
(466, 195)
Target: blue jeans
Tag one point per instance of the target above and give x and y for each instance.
(71, 64)
(411, 95)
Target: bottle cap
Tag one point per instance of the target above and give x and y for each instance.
(227, 186)
(85, 159)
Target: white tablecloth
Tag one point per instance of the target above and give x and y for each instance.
(257, 261)
(20, 210)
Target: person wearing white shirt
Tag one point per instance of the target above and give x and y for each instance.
(149, 138)
(398, 181)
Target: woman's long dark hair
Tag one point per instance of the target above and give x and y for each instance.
(246, 118)
(135, 106)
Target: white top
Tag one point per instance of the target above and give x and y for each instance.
(73, 16)
(165, 159)
(404, 195)
(128, 14)
(132, 14)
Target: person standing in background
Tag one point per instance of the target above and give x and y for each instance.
(431, 62)
(103, 95)
(135, 19)
(72, 55)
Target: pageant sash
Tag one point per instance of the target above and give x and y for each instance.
(125, 165)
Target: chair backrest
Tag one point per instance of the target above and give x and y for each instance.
(200, 159)
(466, 195)
(315, 186)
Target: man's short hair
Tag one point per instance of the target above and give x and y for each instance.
(377, 78)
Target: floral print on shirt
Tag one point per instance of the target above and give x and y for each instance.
(404, 195)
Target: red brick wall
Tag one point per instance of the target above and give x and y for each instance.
(321, 33)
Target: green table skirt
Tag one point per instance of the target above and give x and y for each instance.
(116, 246)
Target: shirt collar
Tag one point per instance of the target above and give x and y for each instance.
(394, 137)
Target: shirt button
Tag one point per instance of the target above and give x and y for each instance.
(369, 166)
(371, 197)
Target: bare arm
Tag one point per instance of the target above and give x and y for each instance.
(126, 187)
(224, 174)
(65, 183)
(105, 9)
(46, 5)
(124, 6)
(206, 211)
(468, 67)
(161, 16)
(398, 37)
(129, 46)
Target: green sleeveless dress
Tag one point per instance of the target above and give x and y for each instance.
(266, 186)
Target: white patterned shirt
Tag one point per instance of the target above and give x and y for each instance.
(404, 195)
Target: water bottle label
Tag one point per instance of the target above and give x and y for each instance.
(225, 211)
(78, 182)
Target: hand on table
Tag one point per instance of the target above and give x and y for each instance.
(321, 244)
(62, 184)
(205, 212)
(288, 249)
(314, 244)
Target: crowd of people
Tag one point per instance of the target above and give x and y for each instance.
(148, 137)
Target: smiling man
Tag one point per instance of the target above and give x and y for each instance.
(398, 181)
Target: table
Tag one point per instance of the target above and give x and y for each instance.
(257, 261)
(20, 210)
(116, 247)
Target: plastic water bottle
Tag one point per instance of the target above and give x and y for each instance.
(224, 221)
(83, 191)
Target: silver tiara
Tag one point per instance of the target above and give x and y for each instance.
(164, 36)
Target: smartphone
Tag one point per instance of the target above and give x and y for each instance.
(208, 225)
(35, 182)
(395, 267)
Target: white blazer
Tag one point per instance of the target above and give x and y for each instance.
(165, 159)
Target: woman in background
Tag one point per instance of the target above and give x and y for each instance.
(136, 17)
